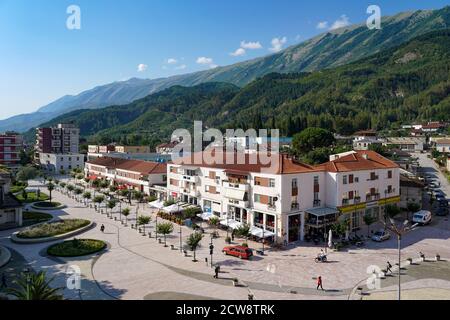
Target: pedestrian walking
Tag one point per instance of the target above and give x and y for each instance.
(216, 272)
(102, 228)
(3, 284)
(388, 268)
(319, 283)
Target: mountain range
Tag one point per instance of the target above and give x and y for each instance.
(328, 50)
(409, 82)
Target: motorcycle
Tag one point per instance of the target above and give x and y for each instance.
(321, 259)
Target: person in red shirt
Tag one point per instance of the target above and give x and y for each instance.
(319, 283)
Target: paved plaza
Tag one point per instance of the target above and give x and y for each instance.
(138, 267)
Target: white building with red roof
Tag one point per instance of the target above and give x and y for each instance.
(289, 200)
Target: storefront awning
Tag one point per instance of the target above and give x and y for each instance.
(172, 209)
(205, 216)
(233, 224)
(234, 194)
(157, 204)
(260, 233)
(322, 212)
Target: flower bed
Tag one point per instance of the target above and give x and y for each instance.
(169, 217)
(76, 248)
(52, 229)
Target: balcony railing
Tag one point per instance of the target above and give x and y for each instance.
(295, 206)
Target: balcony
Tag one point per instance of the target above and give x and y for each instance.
(372, 197)
(243, 203)
(236, 186)
(193, 179)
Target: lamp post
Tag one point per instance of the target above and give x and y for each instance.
(211, 248)
(156, 228)
(399, 231)
(181, 240)
(263, 240)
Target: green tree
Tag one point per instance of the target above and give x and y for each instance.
(243, 231)
(214, 221)
(369, 220)
(50, 188)
(193, 242)
(390, 211)
(98, 200)
(32, 286)
(126, 212)
(78, 191)
(143, 220)
(24, 195)
(112, 204)
(310, 139)
(164, 228)
(27, 173)
(87, 196)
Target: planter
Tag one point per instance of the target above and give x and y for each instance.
(235, 282)
(438, 257)
(410, 260)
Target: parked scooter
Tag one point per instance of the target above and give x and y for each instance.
(321, 258)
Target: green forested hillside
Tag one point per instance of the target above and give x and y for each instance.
(407, 83)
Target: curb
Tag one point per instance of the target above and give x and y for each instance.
(5, 256)
(16, 239)
(48, 209)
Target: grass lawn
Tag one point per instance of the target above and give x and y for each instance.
(76, 248)
(53, 228)
(32, 197)
(17, 188)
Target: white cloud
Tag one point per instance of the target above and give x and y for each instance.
(343, 21)
(213, 66)
(142, 67)
(322, 25)
(181, 67)
(238, 52)
(277, 44)
(251, 45)
(172, 61)
(204, 60)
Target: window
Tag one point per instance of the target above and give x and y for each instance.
(356, 179)
(390, 174)
(350, 178)
(257, 198)
(272, 183)
(344, 179)
(294, 183)
(316, 180)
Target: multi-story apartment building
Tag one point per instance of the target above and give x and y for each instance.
(10, 145)
(145, 176)
(290, 199)
(64, 138)
(57, 148)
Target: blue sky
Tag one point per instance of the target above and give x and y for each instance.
(42, 60)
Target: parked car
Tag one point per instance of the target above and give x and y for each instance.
(381, 235)
(238, 251)
(443, 203)
(422, 217)
(442, 211)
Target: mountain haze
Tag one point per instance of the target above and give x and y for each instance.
(330, 49)
(410, 82)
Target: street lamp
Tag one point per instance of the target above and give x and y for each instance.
(181, 240)
(263, 240)
(211, 248)
(156, 228)
(399, 231)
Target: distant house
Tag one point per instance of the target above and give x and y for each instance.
(410, 191)
(166, 148)
(10, 206)
(362, 140)
(433, 127)
(410, 144)
(443, 145)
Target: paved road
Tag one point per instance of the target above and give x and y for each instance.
(431, 168)
(136, 267)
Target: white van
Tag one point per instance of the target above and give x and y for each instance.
(422, 217)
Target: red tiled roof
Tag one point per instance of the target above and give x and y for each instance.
(246, 163)
(358, 161)
(140, 166)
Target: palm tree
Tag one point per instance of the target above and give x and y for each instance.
(164, 228)
(126, 213)
(193, 242)
(214, 221)
(50, 188)
(34, 286)
(143, 220)
(243, 231)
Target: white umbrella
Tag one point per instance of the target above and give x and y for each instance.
(330, 239)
